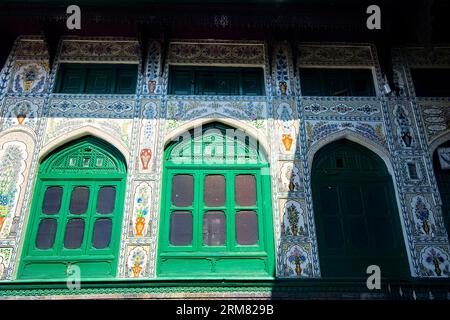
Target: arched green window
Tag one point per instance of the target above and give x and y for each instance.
(216, 217)
(76, 212)
(356, 214)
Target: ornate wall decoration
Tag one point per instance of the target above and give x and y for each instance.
(24, 112)
(289, 177)
(29, 77)
(317, 130)
(153, 85)
(349, 108)
(248, 53)
(399, 75)
(148, 136)
(423, 57)
(296, 260)
(444, 158)
(294, 218)
(282, 70)
(422, 213)
(181, 111)
(12, 163)
(67, 106)
(5, 257)
(58, 127)
(97, 49)
(137, 257)
(335, 55)
(142, 217)
(287, 128)
(436, 119)
(434, 261)
(418, 177)
(31, 48)
(404, 130)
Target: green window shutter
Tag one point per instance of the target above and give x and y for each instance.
(126, 81)
(76, 213)
(336, 82)
(216, 81)
(356, 215)
(181, 82)
(99, 80)
(71, 80)
(216, 218)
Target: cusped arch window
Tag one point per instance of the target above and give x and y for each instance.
(76, 212)
(216, 217)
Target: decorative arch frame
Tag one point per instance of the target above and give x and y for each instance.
(385, 157)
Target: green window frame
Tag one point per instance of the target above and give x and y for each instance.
(336, 82)
(224, 81)
(54, 240)
(240, 254)
(77, 78)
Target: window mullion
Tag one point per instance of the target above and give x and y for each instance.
(62, 218)
(197, 212)
(231, 214)
(90, 215)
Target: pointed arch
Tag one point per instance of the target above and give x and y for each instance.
(350, 135)
(254, 133)
(438, 141)
(83, 132)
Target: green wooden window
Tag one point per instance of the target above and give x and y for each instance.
(96, 78)
(216, 218)
(216, 81)
(336, 82)
(356, 215)
(76, 212)
(431, 82)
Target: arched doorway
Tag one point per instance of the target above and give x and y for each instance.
(76, 213)
(216, 216)
(441, 165)
(356, 215)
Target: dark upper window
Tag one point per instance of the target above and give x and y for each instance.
(336, 82)
(97, 78)
(431, 82)
(216, 81)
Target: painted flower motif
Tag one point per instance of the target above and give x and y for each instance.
(138, 257)
(422, 212)
(30, 75)
(434, 256)
(297, 257)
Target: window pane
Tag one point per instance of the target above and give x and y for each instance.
(102, 233)
(245, 190)
(181, 228)
(214, 190)
(45, 237)
(74, 234)
(106, 200)
(52, 200)
(79, 200)
(214, 228)
(182, 190)
(246, 228)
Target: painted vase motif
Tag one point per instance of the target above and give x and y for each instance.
(426, 226)
(2, 220)
(283, 87)
(136, 270)
(21, 118)
(294, 230)
(287, 141)
(437, 268)
(146, 155)
(298, 269)
(152, 86)
(140, 224)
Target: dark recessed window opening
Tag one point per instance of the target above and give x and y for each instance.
(431, 82)
(97, 78)
(216, 81)
(336, 82)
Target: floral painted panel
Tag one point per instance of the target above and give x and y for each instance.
(104, 50)
(29, 77)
